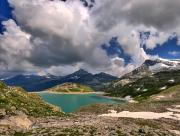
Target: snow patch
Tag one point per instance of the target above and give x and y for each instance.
(143, 115)
(158, 67)
(163, 88)
(171, 81)
(128, 98)
(138, 89)
(173, 110)
(145, 90)
(164, 64)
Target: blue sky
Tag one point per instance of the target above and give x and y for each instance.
(114, 48)
(5, 12)
(163, 51)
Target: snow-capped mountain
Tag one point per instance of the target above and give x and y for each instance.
(164, 65)
(154, 66)
(148, 68)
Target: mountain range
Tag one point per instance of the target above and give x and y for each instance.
(152, 77)
(39, 83)
(95, 81)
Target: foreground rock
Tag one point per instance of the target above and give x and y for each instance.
(92, 125)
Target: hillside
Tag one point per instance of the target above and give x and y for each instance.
(146, 86)
(14, 100)
(171, 94)
(157, 115)
(89, 120)
(148, 68)
(70, 88)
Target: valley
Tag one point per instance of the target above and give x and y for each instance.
(92, 120)
(152, 107)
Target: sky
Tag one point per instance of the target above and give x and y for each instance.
(112, 36)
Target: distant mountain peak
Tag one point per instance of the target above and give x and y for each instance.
(81, 71)
(160, 64)
(151, 66)
(103, 74)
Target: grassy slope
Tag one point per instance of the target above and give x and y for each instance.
(71, 87)
(147, 86)
(171, 97)
(14, 99)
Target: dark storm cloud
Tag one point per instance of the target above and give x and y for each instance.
(161, 14)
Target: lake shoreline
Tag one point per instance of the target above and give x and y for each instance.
(114, 98)
(72, 102)
(102, 94)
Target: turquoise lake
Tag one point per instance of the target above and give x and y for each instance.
(71, 102)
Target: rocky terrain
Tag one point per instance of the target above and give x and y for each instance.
(89, 120)
(148, 68)
(143, 82)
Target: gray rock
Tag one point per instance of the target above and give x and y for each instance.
(2, 112)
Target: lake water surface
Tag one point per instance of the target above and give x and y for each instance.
(71, 102)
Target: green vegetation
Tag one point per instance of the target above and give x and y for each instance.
(171, 96)
(15, 99)
(71, 88)
(145, 87)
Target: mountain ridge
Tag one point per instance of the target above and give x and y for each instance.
(145, 81)
(40, 83)
(148, 68)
